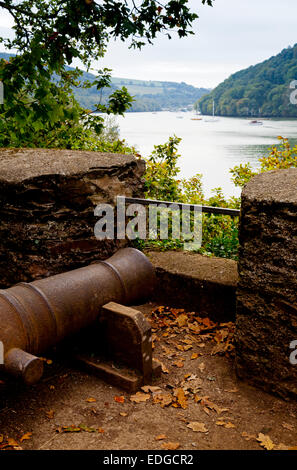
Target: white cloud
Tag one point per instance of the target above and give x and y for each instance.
(6, 20)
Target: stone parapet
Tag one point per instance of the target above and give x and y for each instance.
(47, 201)
(266, 319)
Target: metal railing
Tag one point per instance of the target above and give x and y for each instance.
(191, 207)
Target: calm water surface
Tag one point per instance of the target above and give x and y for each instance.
(210, 148)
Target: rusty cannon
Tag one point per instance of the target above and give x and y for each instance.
(38, 315)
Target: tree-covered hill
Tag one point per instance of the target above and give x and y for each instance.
(156, 95)
(260, 90)
(148, 95)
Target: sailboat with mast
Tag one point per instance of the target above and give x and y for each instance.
(213, 119)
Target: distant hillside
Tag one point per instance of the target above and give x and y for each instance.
(260, 90)
(149, 95)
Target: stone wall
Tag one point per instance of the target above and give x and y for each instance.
(196, 283)
(267, 289)
(47, 201)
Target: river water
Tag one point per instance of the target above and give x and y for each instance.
(210, 148)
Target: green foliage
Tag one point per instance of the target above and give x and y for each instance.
(220, 233)
(260, 90)
(41, 112)
(220, 236)
(241, 174)
(161, 172)
(68, 29)
(279, 157)
(40, 108)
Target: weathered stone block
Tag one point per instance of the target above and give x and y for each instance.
(47, 201)
(195, 282)
(266, 321)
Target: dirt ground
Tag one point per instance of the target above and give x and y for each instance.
(200, 403)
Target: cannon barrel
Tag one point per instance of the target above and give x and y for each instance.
(37, 315)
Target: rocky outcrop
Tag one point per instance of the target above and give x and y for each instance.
(266, 321)
(47, 201)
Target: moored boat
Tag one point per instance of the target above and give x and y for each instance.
(255, 122)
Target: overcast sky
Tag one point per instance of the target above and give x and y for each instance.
(232, 35)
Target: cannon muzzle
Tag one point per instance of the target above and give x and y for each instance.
(37, 315)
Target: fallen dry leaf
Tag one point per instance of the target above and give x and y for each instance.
(163, 367)
(290, 427)
(194, 356)
(265, 441)
(14, 444)
(91, 400)
(170, 445)
(140, 397)
(248, 436)
(181, 398)
(218, 409)
(177, 320)
(190, 377)
(182, 320)
(86, 428)
(50, 414)
(160, 437)
(26, 437)
(187, 340)
(74, 428)
(201, 367)
(120, 399)
(197, 427)
(192, 386)
(204, 401)
(123, 414)
(194, 328)
(71, 428)
(150, 388)
(165, 399)
(178, 364)
(228, 425)
(169, 353)
(100, 430)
